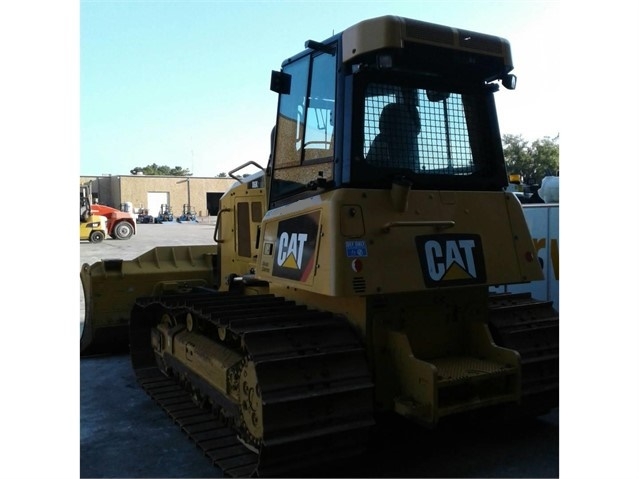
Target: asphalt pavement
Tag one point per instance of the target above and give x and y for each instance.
(123, 433)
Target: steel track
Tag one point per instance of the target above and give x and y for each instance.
(315, 386)
(531, 327)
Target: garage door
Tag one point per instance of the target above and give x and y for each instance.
(155, 199)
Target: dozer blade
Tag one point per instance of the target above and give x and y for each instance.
(111, 287)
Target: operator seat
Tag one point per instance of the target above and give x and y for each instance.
(396, 144)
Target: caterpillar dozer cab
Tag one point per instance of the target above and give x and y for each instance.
(352, 276)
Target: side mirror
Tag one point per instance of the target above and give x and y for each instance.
(509, 82)
(280, 82)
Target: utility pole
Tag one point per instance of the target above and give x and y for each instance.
(188, 194)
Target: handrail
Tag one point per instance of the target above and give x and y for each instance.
(248, 163)
(217, 223)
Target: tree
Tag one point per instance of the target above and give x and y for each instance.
(532, 161)
(545, 153)
(154, 169)
(179, 171)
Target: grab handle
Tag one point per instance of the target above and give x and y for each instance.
(217, 224)
(440, 225)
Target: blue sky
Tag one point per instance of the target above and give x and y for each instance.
(187, 83)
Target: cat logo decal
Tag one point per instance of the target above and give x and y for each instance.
(295, 247)
(449, 260)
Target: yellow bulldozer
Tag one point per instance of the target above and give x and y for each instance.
(351, 277)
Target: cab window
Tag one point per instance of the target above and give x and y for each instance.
(304, 146)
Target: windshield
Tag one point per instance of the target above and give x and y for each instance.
(436, 138)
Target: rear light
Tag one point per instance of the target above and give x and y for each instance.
(357, 265)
